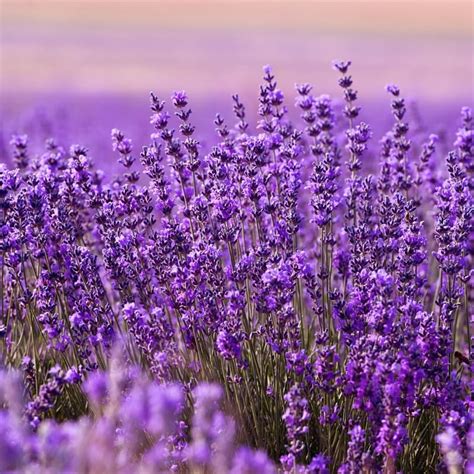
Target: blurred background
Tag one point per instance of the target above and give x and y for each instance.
(94, 62)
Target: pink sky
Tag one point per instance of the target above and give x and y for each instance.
(205, 47)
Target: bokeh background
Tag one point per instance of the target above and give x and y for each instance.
(69, 67)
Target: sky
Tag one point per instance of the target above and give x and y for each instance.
(210, 47)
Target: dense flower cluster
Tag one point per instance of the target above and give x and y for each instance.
(269, 303)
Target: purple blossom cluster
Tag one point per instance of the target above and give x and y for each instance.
(269, 303)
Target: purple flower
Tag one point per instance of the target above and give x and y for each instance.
(247, 461)
(450, 447)
(179, 99)
(296, 418)
(392, 89)
(341, 66)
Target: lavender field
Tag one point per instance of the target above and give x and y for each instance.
(275, 280)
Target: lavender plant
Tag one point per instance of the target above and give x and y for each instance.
(270, 304)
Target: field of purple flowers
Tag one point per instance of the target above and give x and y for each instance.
(291, 294)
